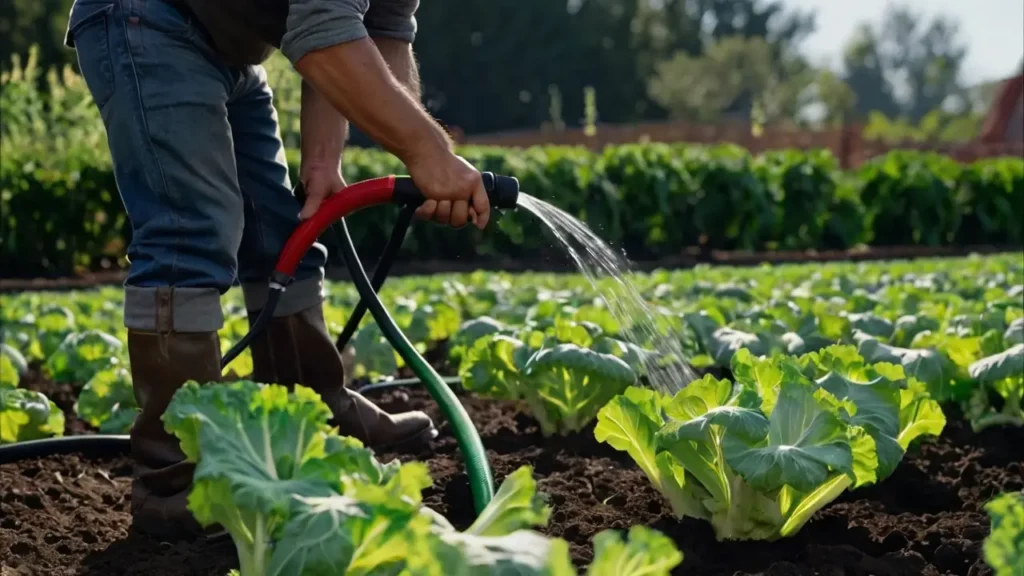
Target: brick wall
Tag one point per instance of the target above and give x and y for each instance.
(846, 144)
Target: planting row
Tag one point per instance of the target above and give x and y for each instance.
(819, 379)
(955, 326)
(63, 212)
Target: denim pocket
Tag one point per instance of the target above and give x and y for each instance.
(89, 33)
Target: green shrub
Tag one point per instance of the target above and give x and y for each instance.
(64, 214)
(911, 198)
(991, 192)
(61, 212)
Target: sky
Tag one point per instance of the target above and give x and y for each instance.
(993, 30)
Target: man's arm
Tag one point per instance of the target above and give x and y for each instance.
(391, 24)
(331, 49)
(324, 130)
(399, 58)
(354, 78)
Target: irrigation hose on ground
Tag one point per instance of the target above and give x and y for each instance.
(388, 384)
(93, 446)
(114, 445)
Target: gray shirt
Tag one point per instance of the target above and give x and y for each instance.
(247, 31)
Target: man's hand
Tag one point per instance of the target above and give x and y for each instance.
(454, 190)
(319, 181)
(357, 82)
(324, 130)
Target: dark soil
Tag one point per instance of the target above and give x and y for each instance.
(69, 515)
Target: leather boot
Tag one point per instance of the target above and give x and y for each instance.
(160, 364)
(297, 349)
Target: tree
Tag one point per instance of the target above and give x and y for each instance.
(670, 26)
(730, 58)
(834, 97)
(736, 77)
(497, 65)
(866, 74)
(907, 67)
(745, 78)
(491, 66)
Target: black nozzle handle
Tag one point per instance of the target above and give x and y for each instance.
(502, 191)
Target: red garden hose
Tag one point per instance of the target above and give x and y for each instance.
(347, 201)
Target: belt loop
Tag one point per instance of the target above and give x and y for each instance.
(164, 309)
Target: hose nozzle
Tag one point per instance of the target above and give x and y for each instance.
(502, 191)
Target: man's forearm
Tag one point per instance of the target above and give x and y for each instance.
(323, 130)
(355, 80)
(399, 57)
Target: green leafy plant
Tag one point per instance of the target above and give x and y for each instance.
(992, 192)
(644, 552)
(564, 385)
(758, 457)
(1001, 375)
(1003, 549)
(82, 354)
(911, 198)
(107, 401)
(12, 366)
(28, 415)
(298, 499)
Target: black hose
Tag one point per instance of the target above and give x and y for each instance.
(93, 446)
(403, 382)
(380, 272)
(261, 322)
(112, 445)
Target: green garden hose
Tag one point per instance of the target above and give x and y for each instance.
(478, 470)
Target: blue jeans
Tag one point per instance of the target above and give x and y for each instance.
(199, 165)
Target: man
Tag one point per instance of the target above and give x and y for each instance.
(200, 168)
